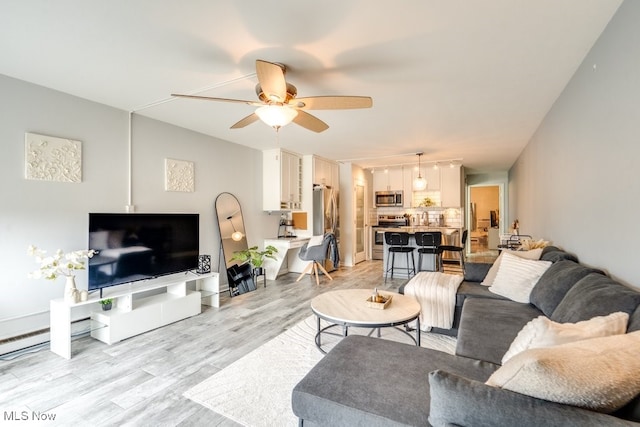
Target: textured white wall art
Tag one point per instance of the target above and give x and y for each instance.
(180, 175)
(48, 158)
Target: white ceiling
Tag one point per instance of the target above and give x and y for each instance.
(452, 78)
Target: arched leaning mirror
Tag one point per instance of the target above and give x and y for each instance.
(234, 238)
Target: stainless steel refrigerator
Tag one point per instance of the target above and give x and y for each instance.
(325, 215)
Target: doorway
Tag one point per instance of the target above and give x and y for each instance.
(484, 218)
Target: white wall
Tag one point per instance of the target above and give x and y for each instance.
(55, 215)
(576, 183)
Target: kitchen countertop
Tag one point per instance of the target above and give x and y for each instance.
(414, 229)
(288, 238)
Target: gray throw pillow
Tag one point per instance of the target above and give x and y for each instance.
(634, 321)
(556, 256)
(457, 400)
(595, 295)
(555, 283)
(550, 248)
(476, 271)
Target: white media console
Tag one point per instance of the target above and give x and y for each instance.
(134, 313)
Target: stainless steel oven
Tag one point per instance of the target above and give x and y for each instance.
(385, 223)
(377, 249)
(389, 198)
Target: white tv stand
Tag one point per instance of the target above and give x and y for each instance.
(131, 316)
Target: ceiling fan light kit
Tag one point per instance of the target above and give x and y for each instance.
(278, 105)
(276, 116)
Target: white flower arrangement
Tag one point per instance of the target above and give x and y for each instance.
(60, 264)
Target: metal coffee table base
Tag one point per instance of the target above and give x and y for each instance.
(347, 325)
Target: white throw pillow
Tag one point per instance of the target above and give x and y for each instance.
(542, 332)
(601, 374)
(534, 254)
(517, 276)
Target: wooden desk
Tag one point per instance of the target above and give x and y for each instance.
(288, 249)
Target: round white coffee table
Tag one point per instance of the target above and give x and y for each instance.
(348, 308)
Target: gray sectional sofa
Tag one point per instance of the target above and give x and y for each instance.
(367, 381)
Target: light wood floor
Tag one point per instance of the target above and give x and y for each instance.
(140, 381)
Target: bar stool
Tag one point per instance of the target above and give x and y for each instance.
(398, 243)
(457, 249)
(429, 243)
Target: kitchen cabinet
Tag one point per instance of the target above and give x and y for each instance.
(452, 186)
(380, 181)
(396, 179)
(281, 170)
(409, 174)
(432, 175)
(390, 179)
(335, 175)
(326, 172)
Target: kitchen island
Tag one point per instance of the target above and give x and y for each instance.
(450, 236)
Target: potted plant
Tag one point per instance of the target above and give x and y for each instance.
(255, 257)
(426, 202)
(107, 303)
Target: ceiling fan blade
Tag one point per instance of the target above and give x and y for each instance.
(310, 122)
(332, 102)
(271, 79)
(251, 118)
(209, 98)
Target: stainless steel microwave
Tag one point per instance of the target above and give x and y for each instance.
(389, 198)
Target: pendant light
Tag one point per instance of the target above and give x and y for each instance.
(236, 236)
(419, 184)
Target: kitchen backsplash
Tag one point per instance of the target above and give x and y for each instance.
(418, 198)
(430, 216)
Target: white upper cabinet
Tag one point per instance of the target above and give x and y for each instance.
(396, 179)
(432, 175)
(408, 175)
(452, 186)
(390, 179)
(380, 181)
(281, 170)
(326, 172)
(447, 182)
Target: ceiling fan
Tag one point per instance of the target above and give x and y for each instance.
(278, 105)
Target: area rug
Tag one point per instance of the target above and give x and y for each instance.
(256, 389)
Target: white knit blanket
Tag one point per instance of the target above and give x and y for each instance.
(436, 293)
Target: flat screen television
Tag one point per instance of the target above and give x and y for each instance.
(139, 246)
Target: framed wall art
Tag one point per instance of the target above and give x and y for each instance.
(179, 175)
(49, 158)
